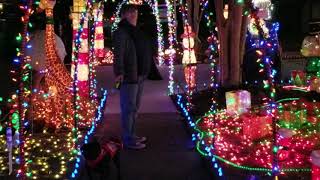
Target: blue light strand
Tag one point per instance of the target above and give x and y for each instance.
(98, 118)
(268, 45)
(197, 136)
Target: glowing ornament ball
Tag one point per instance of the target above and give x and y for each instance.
(311, 46)
(238, 102)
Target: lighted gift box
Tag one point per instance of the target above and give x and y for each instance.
(256, 126)
(298, 78)
(293, 118)
(238, 102)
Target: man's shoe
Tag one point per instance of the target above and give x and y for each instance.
(135, 146)
(140, 139)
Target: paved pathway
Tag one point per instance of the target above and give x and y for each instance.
(169, 154)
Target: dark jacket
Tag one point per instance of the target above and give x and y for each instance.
(132, 52)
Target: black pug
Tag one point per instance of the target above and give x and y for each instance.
(102, 161)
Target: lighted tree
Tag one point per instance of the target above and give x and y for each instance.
(232, 28)
(194, 13)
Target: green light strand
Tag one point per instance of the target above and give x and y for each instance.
(260, 169)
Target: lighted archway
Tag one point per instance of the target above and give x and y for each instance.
(172, 30)
(155, 10)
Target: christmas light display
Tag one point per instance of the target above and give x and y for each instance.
(222, 143)
(270, 150)
(311, 46)
(136, 2)
(231, 142)
(188, 43)
(99, 36)
(298, 78)
(189, 58)
(238, 102)
(172, 30)
(213, 47)
(313, 67)
(250, 142)
(172, 42)
(155, 9)
(30, 159)
(79, 9)
(98, 118)
(108, 58)
(24, 88)
(264, 8)
(252, 28)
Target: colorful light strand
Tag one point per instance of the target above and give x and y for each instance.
(24, 90)
(172, 42)
(97, 119)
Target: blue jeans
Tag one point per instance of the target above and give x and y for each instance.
(130, 98)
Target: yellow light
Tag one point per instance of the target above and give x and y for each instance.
(136, 2)
(226, 11)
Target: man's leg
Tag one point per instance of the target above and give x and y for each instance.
(138, 102)
(128, 108)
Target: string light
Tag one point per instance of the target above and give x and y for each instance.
(172, 41)
(24, 88)
(216, 129)
(98, 34)
(155, 9)
(98, 118)
(31, 157)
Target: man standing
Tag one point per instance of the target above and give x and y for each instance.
(132, 58)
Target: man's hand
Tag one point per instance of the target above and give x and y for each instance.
(119, 78)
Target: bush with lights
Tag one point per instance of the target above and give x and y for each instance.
(30, 138)
(260, 135)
